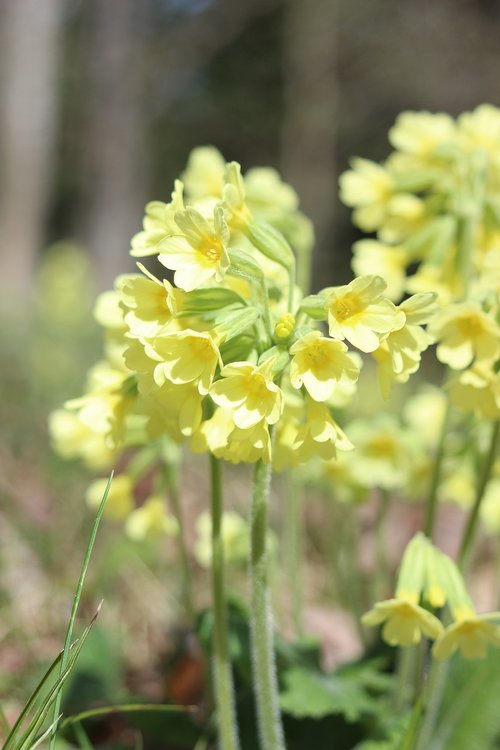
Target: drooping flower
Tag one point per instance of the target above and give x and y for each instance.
(158, 223)
(470, 634)
(359, 313)
(150, 304)
(465, 333)
(367, 187)
(320, 363)
(151, 521)
(249, 391)
(319, 434)
(404, 621)
(198, 251)
(185, 357)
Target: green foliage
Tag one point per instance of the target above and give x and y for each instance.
(355, 691)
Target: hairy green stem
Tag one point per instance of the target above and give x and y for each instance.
(432, 501)
(222, 674)
(294, 550)
(172, 481)
(381, 563)
(264, 669)
(471, 524)
(433, 697)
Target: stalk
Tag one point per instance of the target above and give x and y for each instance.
(172, 481)
(471, 525)
(431, 507)
(222, 674)
(261, 623)
(294, 551)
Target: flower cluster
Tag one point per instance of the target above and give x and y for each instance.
(231, 351)
(435, 207)
(429, 576)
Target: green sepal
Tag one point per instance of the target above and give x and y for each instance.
(242, 264)
(239, 349)
(281, 356)
(201, 301)
(231, 323)
(314, 306)
(270, 243)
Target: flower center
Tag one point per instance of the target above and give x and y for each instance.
(345, 307)
(471, 326)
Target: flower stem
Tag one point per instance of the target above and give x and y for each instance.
(471, 525)
(294, 550)
(431, 507)
(264, 669)
(433, 696)
(381, 561)
(222, 674)
(172, 481)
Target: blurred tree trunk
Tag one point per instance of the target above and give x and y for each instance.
(28, 118)
(309, 120)
(115, 154)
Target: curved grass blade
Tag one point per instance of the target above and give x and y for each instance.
(76, 601)
(126, 708)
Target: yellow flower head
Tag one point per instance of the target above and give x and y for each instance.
(150, 304)
(175, 409)
(199, 252)
(248, 446)
(358, 312)
(71, 438)
(158, 223)
(320, 363)
(384, 451)
(478, 390)
(151, 521)
(373, 257)
(319, 435)
(120, 501)
(470, 634)
(419, 133)
(404, 621)
(185, 357)
(367, 187)
(203, 177)
(250, 392)
(465, 332)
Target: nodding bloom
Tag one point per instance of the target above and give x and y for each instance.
(359, 313)
(471, 634)
(320, 363)
(185, 357)
(465, 333)
(251, 394)
(404, 621)
(198, 252)
(158, 223)
(151, 521)
(149, 304)
(319, 435)
(367, 187)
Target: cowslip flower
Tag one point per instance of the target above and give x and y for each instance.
(470, 634)
(185, 357)
(158, 223)
(320, 363)
(404, 621)
(198, 252)
(419, 133)
(319, 435)
(477, 390)
(367, 187)
(465, 333)
(358, 312)
(120, 500)
(150, 304)
(204, 174)
(151, 521)
(249, 391)
(374, 257)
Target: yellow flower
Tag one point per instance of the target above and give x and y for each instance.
(250, 392)
(384, 451)
(150, 304)
(424, 413)
(367, 187)
(319, 435)
(199, 252)
(320, 363)
(358, 312)
(151, 520)
(176, 409)
(478, 390)
(371, 256)
(419, 133)
(480, 129)
(72, 438)
(120, 501)
(404, 621)
(235, 539)
(248, 445)
(465, 332)
(158, 223)
(490, 506)
(185, 357)
(470, 634)
(203, 177)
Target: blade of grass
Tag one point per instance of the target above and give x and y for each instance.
(4, 724)
(44, 736)
(76, 601)
(126, 708)
(43, 711)
(81, 737)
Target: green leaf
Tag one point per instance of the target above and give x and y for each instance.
(353, 691)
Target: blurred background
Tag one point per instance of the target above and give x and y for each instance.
(100, 103)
